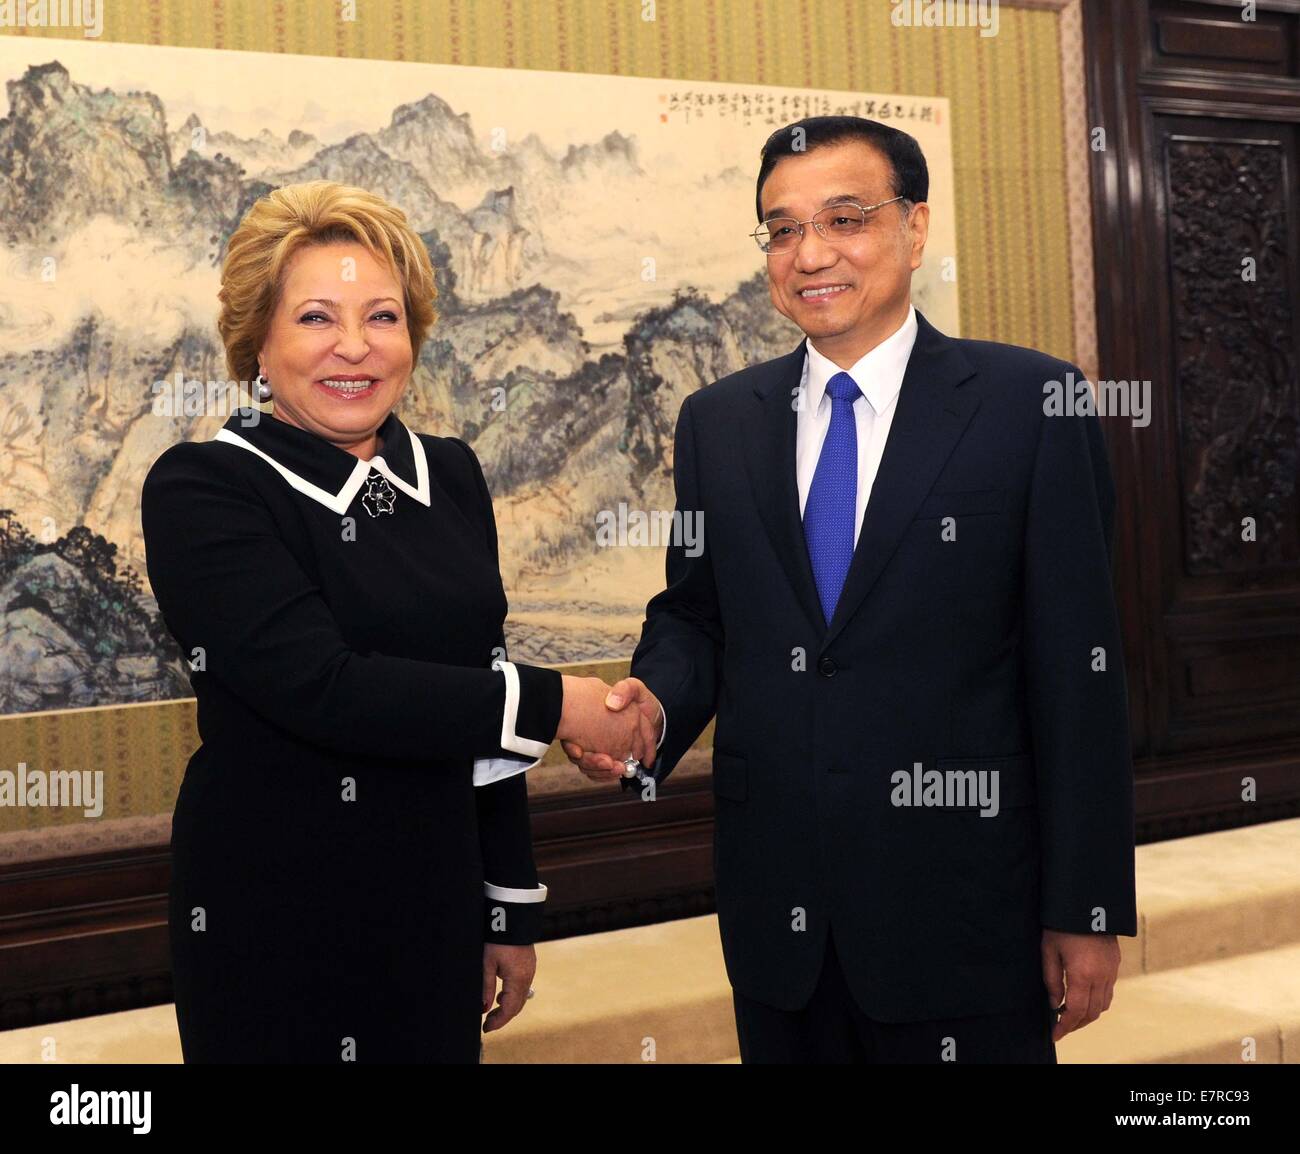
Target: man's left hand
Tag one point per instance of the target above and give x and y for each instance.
(1088, 965)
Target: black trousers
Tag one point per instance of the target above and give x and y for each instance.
(832, 1029)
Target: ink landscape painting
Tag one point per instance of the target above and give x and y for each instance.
(591, 240)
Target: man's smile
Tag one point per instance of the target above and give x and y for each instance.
(821, 291)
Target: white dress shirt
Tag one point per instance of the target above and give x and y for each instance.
(879, 374)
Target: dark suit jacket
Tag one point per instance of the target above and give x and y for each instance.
(971, 649)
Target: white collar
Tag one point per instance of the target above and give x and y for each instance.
(340, 500)
(878, 373)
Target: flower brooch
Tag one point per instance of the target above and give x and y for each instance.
(379, 495)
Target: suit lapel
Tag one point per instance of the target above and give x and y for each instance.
(931, 416)
(769, 439)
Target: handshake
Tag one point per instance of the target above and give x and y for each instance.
(602, 725)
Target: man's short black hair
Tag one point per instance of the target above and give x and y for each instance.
(911, 178)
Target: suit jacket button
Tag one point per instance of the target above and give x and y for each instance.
(826, 667)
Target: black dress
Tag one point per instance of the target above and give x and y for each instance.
(335, 868)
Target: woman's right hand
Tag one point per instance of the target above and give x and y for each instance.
(585, 721)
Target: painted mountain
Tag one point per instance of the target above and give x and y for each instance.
(113, 224)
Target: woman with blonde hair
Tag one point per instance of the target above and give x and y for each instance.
(352, 870)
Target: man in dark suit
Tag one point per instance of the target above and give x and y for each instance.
(902, 616)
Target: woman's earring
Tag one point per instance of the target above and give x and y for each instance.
(263, 387)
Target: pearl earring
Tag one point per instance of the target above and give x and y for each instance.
(263, 387)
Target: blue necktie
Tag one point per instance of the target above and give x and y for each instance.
(830, 512)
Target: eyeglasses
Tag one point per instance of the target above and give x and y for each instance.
(834, 222)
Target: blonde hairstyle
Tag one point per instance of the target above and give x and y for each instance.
(300, 216)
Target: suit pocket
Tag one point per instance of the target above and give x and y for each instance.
(730, 776)
(966, 503)
(989, 855)
(1008, 779)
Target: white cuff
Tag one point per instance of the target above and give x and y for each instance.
(504, 894)
(490, 769)
(509, 740)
